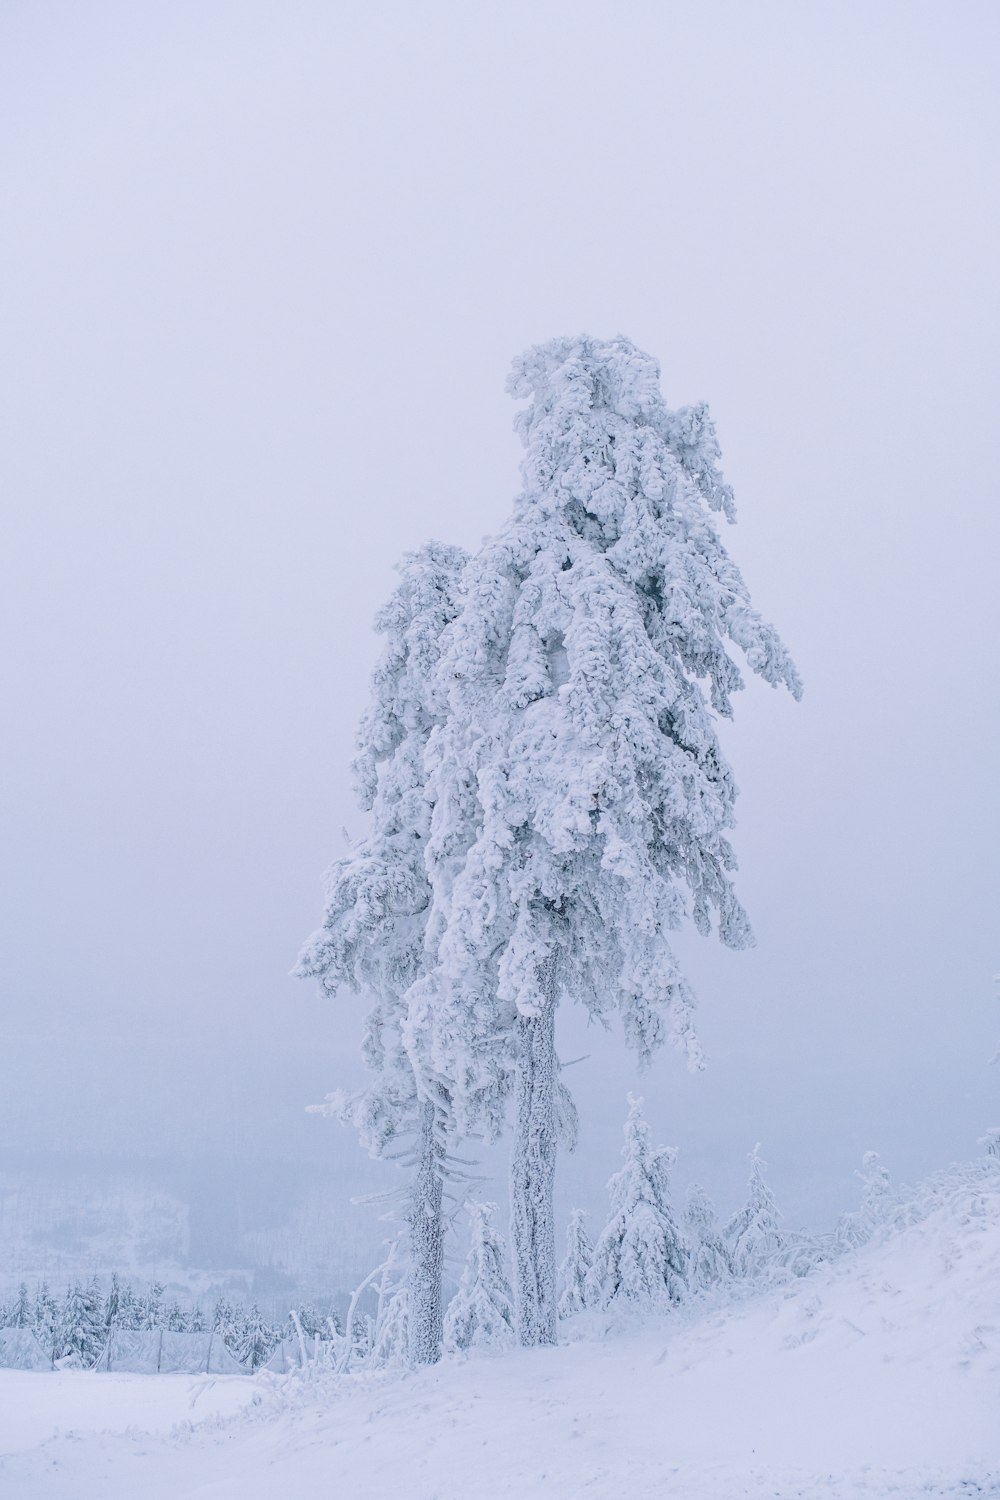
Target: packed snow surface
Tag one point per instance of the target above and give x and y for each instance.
(878, 1375)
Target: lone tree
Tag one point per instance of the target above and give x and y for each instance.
(378, 895)
(580, 798)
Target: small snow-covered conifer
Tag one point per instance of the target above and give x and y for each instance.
(377, 900)
(709, 1265)
(581, 801)
(44, 1316)
(152, 1306)
(256, 1340)
(129, 1307)
(226, 1324)
(481, 1313)
(80, 1333)
(113, 1303)
(640, 1256)
(175, 1319)
(856, 1228)
(754, 1235)
(197, 1323)
(19, 1314)
(574, 1268)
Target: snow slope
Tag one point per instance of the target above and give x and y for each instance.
(877, 1376)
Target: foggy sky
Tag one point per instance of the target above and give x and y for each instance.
(264, 268)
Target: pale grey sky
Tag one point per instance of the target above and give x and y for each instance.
(264, 267)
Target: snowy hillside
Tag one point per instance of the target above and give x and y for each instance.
(878, 1375)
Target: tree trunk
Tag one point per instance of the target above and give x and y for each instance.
(532, 1172)
(426, 1246)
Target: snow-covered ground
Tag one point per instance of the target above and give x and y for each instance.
(876, 1376)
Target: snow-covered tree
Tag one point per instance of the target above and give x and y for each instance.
(709, 1265)
(256, 1340)
(377, 900)
(151, 1311)
(174, 1318)
(640, 1255)
(572, 1273)
(130, 1311)
(754, 1235)
(226, 1324)
(857, 1227)
(113, 1303)
(44, 1316)
(80, 1333)
(197, 1323)
(481, 1313)
(20, 1313)
(361, 1334)
(581, 801)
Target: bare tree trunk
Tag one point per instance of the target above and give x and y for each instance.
(426, 1226)
(532, 1173)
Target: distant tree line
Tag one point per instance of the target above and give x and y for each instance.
(76, 1328)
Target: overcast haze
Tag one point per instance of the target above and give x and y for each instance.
(264, 268)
